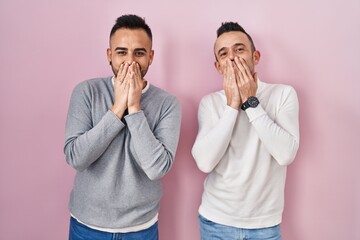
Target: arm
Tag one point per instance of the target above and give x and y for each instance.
(281, 135)
(85, 143)
(155, 150)
(215, 133)
(213, 137)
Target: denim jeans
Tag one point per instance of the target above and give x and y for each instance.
(79, 231)
(214, 231)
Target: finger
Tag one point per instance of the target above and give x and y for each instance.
(239, 78)
(137, 68)
(133, 80)
(237, 71)
(241, 68)
(227, 68)
(131, 67)
(248, 77)
(123, 71)
(127, 76)
(237, 62)
(240, 72)
(230, 74)
(131, 74)
(119, 72)
(137, 72)
(246, 68)
(230, 71)
(225, 75)
(227, 71)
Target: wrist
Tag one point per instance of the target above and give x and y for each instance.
(251, 102)
(234, 105)
(118, 111)
(134, 109)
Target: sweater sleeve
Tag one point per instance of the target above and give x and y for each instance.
(155, 150)
(85, 143)
(281, 135)
(213, 137)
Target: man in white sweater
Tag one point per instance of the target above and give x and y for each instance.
(248, 134)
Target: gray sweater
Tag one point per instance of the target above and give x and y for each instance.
(119, 163)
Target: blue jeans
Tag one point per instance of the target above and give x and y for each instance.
(79, 231)
(214, 231)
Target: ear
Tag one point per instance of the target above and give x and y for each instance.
(151, 56)
(218, 67)
(108, 54)
(256, 57)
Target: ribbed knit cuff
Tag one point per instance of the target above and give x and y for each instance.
(254, 113)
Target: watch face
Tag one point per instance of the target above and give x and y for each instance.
(250, 102)
(253, 101)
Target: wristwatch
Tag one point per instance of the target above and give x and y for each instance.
(250, 102)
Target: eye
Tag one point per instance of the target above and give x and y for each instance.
(122, 53)
(239, 49)
(139, 54)
(222, 54)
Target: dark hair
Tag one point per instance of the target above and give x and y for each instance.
(131, 22)
(233, 26)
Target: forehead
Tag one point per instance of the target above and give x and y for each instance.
(229, 39)
(129, 38)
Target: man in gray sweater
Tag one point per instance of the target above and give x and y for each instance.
(121, 137)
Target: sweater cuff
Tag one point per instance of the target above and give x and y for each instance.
(231, 111)
(254, 113)
(114, 119)
(134, 117)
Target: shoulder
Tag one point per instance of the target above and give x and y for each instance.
(162, 95)
(214, 99)
(277, 90)
(274, 86)
(94, 83)
(277, 96)
(92, 86)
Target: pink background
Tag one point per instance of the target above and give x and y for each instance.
(47, 47)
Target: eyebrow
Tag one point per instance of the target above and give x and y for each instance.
(140, 50)
(120, 48)
(135, 50)
(235, 45)
(221, 49)
(239, 44)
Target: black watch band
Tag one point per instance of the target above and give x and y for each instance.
(252, 102)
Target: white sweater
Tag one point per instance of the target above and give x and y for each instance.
(246, 154)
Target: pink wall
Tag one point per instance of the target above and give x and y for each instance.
(49, 46)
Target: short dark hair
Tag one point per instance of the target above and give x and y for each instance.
(131, 21)
(234, 26)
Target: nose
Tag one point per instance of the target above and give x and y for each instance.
(231, 55)
(129, 58)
